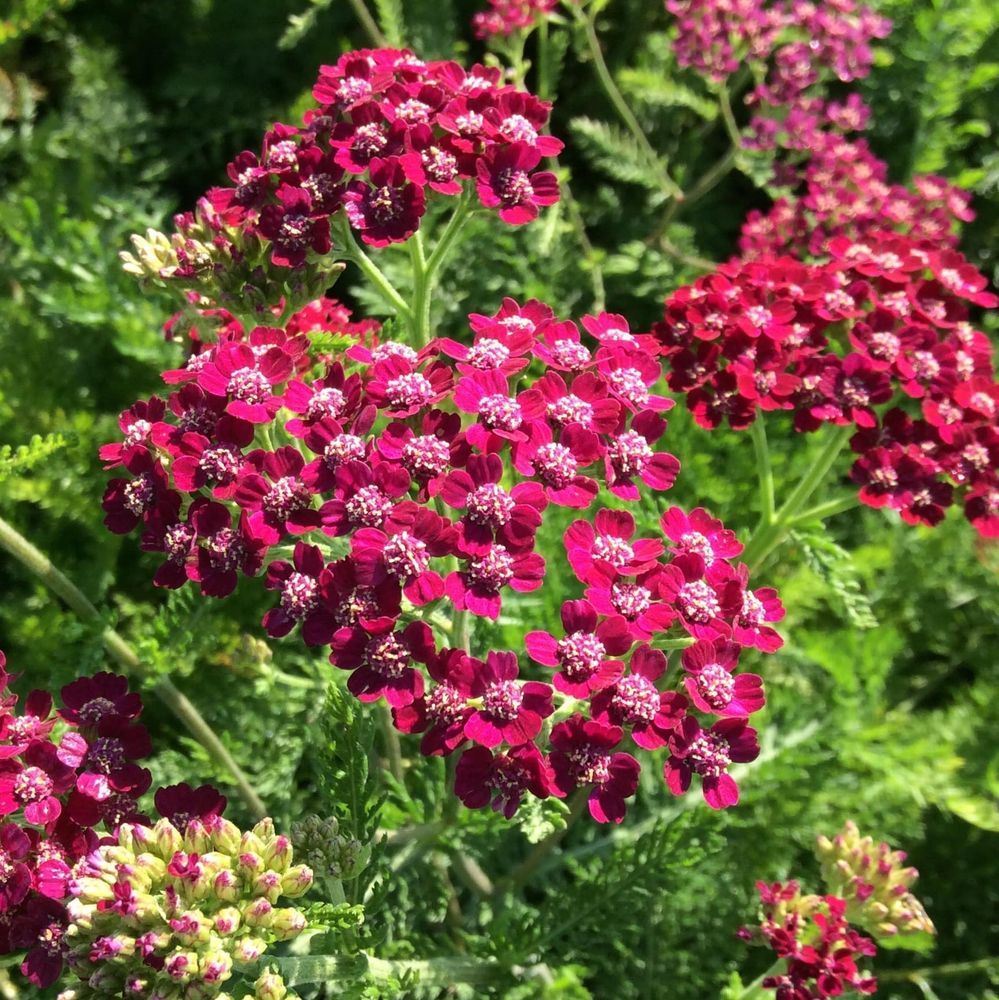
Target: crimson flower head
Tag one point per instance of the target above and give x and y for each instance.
(492, 514)
(389, 209)
(709, 753)
(402, 549)
(248, 381)
(608, 540)
(504, 181)
(181, 803)
(34, 783)
(306, 597)
(582, 653)
(381, 659)
(501, 780)
(442, 711)
(511, 711)
(635, 701)
(294, 227)
(711, 684)
(477, 587)
(582, 754)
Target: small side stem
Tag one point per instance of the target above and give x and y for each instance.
(769, 535)
(34, 560)
(755, 989)
(369, 24)
(828, 509)
(617, 99)
(544, 60)
(764, 469)
(725, 106)
(393, 746)
(353, 252)
(948, 969)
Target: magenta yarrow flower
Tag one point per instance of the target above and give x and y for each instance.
(582, 756)
(501, 780)
(709, 753)
(635, 701)
(509, 711)
(381, 659)
(712, 685)
(583, 654)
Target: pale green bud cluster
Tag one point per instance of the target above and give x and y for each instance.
(875, 882)
(329, 853)
(167, 915)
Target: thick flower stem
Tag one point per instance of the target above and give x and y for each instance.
(755, 990)
(772, 531)
(765, 472)
(352, 251)
(14, 543)
(420, 309)
(368, 23)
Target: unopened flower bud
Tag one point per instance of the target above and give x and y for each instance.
(270, 986)
(167, 840)
(181, 966)
(278, 852)
(249, 864)
(226, 886)
(297, 881)
(287, 923)
(268, 885)
(228, 920)
(248, 949)
(259, 913)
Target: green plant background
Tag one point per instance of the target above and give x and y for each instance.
(883, 705)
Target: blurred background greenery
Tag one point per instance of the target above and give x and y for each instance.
(884, 703)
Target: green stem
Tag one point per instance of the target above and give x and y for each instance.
(122, 653)
(949, 969)
(617, 99)
(725, 106)
(393, 746)
(770, 534)
(420, 310)
(461, 214)
(764, 470)
(369, 24)
(682, 643)
(352, 251)
(755, 989)
(827, 509)
(544, 60)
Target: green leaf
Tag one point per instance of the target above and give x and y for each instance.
(618, 154)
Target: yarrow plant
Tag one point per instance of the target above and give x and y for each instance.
(820, 950)
(408, 498)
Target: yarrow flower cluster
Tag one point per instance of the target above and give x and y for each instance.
(797, 48)
(68, 775)
(879, 338)
(507, 17)
(432, 470)
(180, 910)
(822, 953)
(389, 130)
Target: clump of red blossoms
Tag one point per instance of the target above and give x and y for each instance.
(811, 934)
(796, 49)
(389, 131)
(506, 17)
(388, 492)
(68, 776)
(878, 338)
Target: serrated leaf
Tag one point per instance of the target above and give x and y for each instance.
(618, 154)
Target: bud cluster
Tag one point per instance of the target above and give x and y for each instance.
(176, 912)
(328, 852)
(866, 886)
(875, 883)
(879, 338)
